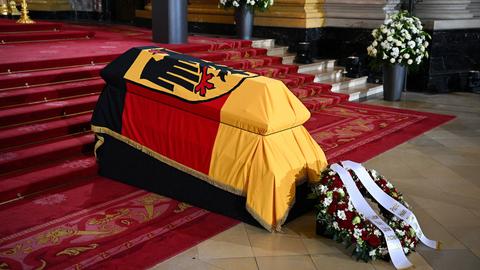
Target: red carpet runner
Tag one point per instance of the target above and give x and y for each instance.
(67, 216)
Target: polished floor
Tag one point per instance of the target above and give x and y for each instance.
(439, 174)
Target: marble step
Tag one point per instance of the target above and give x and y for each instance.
(317, 66)
(327, 73)
(362, 92)
(344, 82)
(263, 43)
(288, 59)
(277, 51)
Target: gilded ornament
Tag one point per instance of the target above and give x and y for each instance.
(41, 267)
(149, 204)
(24, 18)
(3, 8)
(12, 8)
(181, 207)
(109, 217)
(55, 236)
(74, 251)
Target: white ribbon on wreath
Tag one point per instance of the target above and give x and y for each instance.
(395, 249)
(388, 202)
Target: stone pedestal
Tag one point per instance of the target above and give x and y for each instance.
(443, 10)
(358, 13)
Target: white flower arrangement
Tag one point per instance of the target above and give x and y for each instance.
(400, 40)
(259, 4)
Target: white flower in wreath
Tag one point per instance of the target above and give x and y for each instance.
(327, 201)
(335, 225)
(406, 250)
(389, 38)
(372, 253)
(341, 192)
(357, 233)
(389, 185)
(384, 56)
(331, 173)
(400, 232)
(350, 206)
(374, 173)
(411, 44)
(341, 215)
(323, 188)
(377, 232)
(410, 61)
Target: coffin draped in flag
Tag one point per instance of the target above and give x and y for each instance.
(237, 131)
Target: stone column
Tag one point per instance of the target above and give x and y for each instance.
(169, 21)
(358, 13)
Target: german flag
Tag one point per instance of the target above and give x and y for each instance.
(235, 130)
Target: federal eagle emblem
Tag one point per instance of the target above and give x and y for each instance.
(184, 76)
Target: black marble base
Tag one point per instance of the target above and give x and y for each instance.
(453, 53)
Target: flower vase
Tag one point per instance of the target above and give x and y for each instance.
(244, 21)
(393, 81)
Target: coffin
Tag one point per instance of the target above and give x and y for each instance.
(222, 139)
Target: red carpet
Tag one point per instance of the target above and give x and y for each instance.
(356, 131)
(67, 216)
(97, 224)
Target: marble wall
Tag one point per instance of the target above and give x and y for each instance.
(86, 5)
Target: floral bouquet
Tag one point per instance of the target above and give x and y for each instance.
(400, 40)
(259, 4)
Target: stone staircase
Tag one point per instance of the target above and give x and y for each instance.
(326, 71)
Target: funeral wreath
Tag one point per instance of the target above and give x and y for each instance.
(337, 218)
